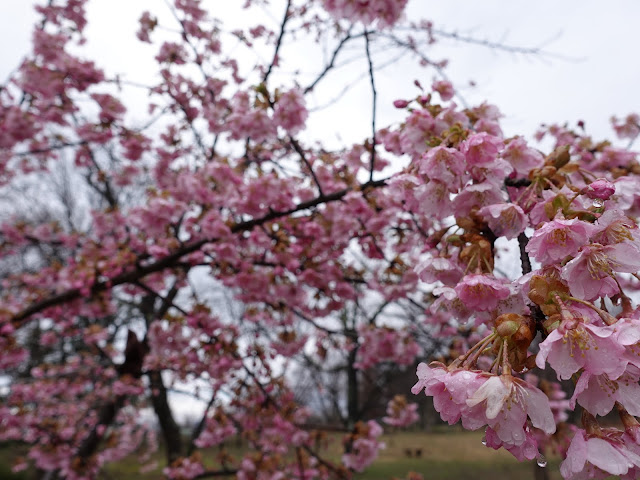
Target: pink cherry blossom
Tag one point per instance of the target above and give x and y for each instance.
(598, 393)
(575, 345)
(527, 450)
(450, 392)
(590, 274)
(290, 112)
(557, 239)
(508, 402)
(446, 165)
(400, 413)
(598, 456)
(444, 88)
(476, 195)
(482, 292)
(445, 270)
(614, 226)
(629, 127)
(364, 449)
(434, 199)
(481, 148)
(387, 12)
(521, 157)
(505, 219)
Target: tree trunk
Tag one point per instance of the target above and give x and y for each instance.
(170, 429)
(353, 413)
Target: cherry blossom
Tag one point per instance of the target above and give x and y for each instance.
(575, 345)
(558, 239)
(212, 242)
(509, 401)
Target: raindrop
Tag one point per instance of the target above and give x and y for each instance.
(484, 441)
(541, 461)
(598, 202)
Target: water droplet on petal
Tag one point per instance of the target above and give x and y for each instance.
(541, 460)
(484, 441)
(598, 202)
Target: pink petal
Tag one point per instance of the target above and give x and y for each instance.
(576, 456)
(539, 410)
(602, 454)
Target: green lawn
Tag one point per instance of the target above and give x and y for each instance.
(445, 455)
(449, 455)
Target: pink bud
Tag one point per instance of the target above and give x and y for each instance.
(601, 189)
(400, 103)
(6, 329)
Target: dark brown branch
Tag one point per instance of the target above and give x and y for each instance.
(141, 271)
(525, 261)
(132, 365)
(285, 19)
(200, 427)
(105, 418)
(296, 146)
(159, 399)
(517, 182)
(374, 93)
(51, 148)
(331, 63)
(170, 429)
(217, 473)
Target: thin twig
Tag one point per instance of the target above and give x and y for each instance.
(331, 63)
(285, 19)
(374, 94)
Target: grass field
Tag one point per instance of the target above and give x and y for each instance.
(450, 455)
(446, 455)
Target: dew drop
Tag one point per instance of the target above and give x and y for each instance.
(598, 202)
(484, 441)
(541, 460)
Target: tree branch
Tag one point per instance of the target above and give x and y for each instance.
(331, 63)
(374, 101)
(525, 261)
(141, 271)
(285, 19)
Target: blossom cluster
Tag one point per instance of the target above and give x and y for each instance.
(574, 220)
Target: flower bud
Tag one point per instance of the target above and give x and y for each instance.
(508, 324)
(601, 189)
(400, 103)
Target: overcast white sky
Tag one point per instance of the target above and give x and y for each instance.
(595, 76)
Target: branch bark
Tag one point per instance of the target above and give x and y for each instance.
(171, 260)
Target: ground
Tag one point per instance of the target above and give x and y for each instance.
(445, 454)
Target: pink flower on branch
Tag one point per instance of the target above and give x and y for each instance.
(558, 239)
(481, 148)
(508, 402)
(400, 413)
(482, 292)
(447, 165)
(363, 446)
(450, 391)
(598, 393)
(575, 345)
(591, 273)
(599, 456)
(505, 219)
(386, 12)
(444, 88)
